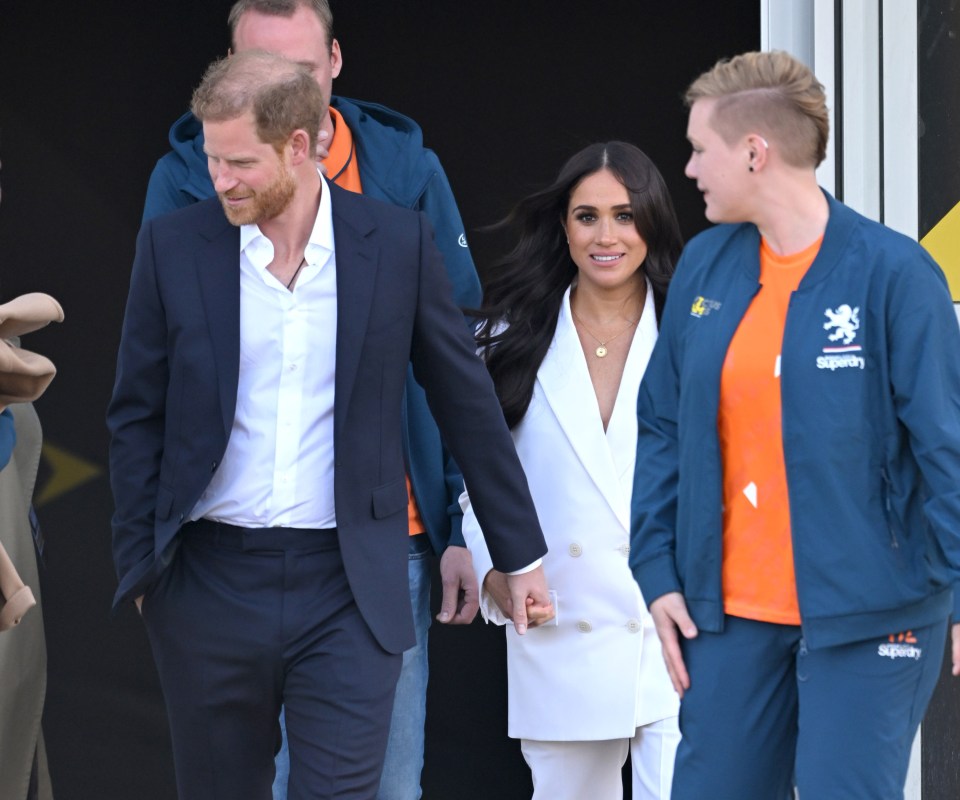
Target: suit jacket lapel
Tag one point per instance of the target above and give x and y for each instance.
(567, 389)
(622, 429)
(357, 255)
(218, 271)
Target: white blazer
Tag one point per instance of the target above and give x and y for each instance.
(597, 673)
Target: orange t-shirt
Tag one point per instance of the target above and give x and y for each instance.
(343, 170)
(758, 577)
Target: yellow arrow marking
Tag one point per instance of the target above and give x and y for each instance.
(943, 243)
(67, 472)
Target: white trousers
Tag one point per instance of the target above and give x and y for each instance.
(575, 770)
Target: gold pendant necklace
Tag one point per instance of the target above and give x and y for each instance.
(601, 350)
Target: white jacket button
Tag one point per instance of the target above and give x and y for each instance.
(624, 549)
(575, 550)
(584, 626)
(633, 625)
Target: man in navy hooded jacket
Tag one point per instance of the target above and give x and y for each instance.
(375, 150)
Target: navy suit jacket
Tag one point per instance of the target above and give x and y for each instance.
(175, 395)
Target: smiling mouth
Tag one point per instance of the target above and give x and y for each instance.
(604, 259)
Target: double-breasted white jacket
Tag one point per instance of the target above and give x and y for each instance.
(598, 672)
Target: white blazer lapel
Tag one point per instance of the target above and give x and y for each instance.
(622, 428)
(565, 383)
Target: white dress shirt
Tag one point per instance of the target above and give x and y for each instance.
(277, 470)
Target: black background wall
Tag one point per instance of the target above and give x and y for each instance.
(505, 91)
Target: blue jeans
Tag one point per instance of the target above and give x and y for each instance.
(404, 761)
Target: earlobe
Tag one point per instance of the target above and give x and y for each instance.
(759, 149)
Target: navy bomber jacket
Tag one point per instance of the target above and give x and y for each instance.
(870, 385)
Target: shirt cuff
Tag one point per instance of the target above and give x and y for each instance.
(528, 568)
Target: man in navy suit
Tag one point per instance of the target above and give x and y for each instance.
(256, 454)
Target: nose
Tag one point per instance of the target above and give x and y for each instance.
(605, 231)
(689, 170)
(221, 176)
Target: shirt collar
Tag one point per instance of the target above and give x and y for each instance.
(340, 146)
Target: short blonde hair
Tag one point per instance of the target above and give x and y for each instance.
(772, 94)
(281, 94)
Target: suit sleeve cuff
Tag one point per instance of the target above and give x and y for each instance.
(528, 568)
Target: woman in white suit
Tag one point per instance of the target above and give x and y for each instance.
(568, 323)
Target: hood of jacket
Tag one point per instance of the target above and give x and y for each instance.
(393, 164)
(186, 139)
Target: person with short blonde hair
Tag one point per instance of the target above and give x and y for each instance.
(796, 519)
(770, 92)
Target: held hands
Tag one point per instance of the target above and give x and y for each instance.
(461, 595)
(670, 615)
(522, 598)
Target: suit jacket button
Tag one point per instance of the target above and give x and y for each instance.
(584, 626)
(633, 625)
(575, 550)
(213, 467)
(624, 550)
(180, 517)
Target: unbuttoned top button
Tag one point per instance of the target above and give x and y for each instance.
(575, 550)
(633, 625)
(624, 549)
(213, 466)
(583, 626)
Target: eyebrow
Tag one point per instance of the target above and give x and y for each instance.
(587, 207)
(239, 157)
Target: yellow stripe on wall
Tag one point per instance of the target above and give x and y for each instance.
(943, 243)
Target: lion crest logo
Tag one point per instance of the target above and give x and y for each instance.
(846, 320)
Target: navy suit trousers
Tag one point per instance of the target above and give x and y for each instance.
(246, 620)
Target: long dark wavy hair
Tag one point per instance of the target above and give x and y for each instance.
(522, 298)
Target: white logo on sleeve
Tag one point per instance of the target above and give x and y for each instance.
(843, 323)
(462, 241)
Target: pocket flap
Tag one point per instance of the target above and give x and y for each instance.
(389, 499)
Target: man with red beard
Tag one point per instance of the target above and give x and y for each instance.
(256, 455)
(367, 148)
